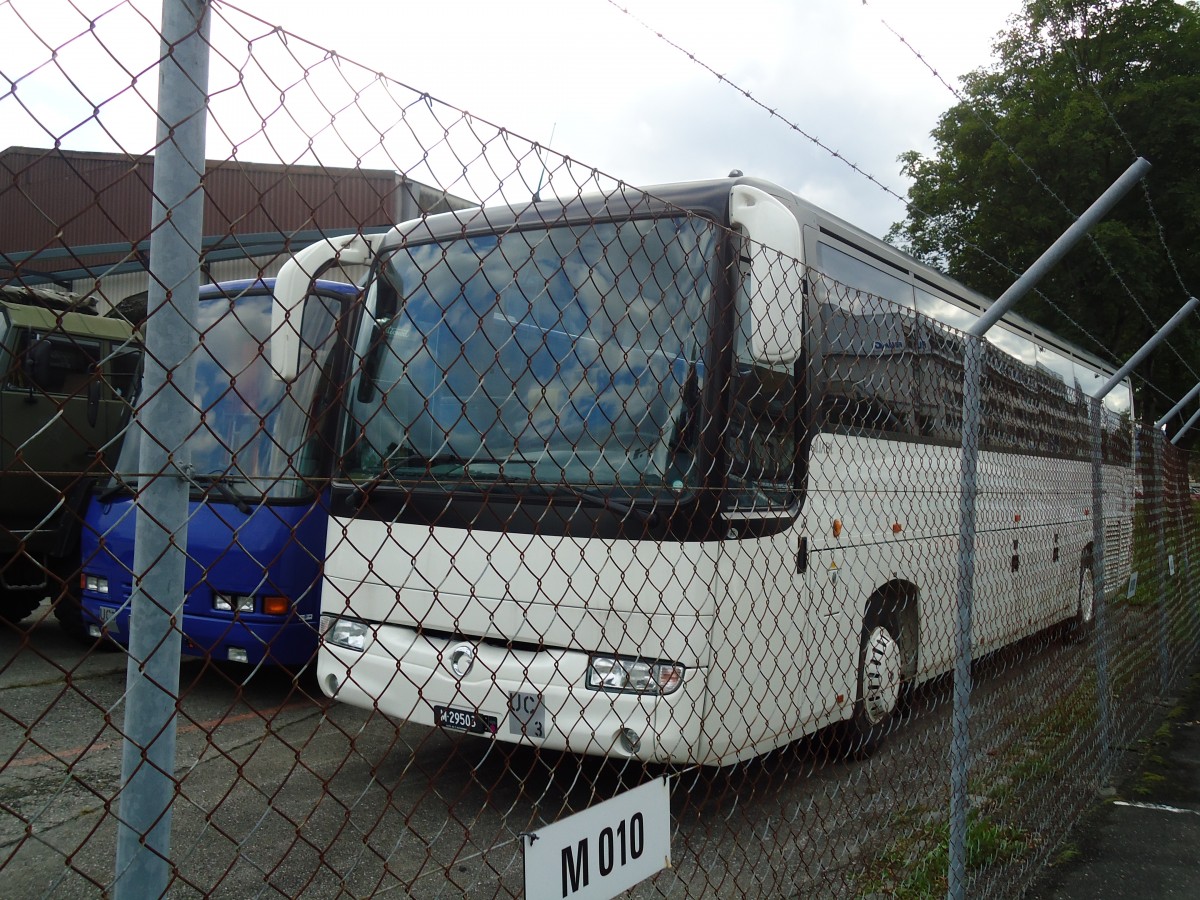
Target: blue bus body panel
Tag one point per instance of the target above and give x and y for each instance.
(276, 550)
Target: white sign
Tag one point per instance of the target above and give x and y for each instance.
(1132, 586)
(602, 850)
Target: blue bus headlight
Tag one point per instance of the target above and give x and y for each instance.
(633, 676)
(348, 633)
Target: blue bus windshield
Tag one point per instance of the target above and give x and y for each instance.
(560, 355)
(255, 435)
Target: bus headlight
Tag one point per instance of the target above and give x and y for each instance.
(633, 676)
(233, 603)
(345, 633)
(96, 583)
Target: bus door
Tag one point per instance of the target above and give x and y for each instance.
(768, 637)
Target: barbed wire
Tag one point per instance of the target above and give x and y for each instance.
(911, 207)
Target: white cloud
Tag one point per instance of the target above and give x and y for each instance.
(614, 95)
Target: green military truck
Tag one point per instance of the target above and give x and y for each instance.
(68, 376)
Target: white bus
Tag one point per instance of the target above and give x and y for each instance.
(674, 475)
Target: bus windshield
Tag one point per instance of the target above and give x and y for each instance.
(255, 439)
(566, 355)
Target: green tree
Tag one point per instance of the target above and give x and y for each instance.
(1079, 88)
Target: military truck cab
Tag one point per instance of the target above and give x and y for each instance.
(66, 381)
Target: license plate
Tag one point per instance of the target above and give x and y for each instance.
(526, 715)
(464, 720)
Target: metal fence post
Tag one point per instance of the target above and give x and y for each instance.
(960, 745)
(165, 420)
(1100, 590)
(1158, 501)
(960, 750)
(1183, 570)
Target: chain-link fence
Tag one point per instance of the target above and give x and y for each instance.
(474, 488)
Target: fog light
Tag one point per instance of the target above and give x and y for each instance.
(95, 631)
(95, 583)
(237, 654)
(346, 633)
(331, 685)
(630, 740)
(633, 676)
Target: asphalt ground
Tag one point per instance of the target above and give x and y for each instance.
(1144, 839)
(281, 793)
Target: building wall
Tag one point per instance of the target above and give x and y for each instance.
(69, 217)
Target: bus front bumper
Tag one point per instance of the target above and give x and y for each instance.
(535, 697)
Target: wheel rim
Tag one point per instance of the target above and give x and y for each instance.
(881, 675)
(1087, 596)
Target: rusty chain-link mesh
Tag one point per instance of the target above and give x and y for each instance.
(560, 498)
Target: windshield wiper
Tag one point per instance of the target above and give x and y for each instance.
(221, 483)
(412, 460)
(420, 461)
(607, 501)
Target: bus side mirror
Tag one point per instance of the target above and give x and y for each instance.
(93, 400)
(776, 274)
(37, 366)
(292, 287)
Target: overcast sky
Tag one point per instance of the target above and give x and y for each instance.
(580, 76)
(616, 96)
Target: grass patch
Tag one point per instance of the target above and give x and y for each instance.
(1147, 783)
(916, 866)
(1068, 853)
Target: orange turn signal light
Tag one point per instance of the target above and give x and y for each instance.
(897, 528)
(275, 606)
(837, 527)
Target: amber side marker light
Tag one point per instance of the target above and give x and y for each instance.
(837, 527)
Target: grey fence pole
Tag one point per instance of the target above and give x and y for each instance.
(165, 420)
(960, 741)
(1191, 395)
(1158, 501)
(1100, 591)
(1099, 577)
(1186, 427)
(1184, 572)
(960, 747)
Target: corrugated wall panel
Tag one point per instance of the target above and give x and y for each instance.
(51, 200)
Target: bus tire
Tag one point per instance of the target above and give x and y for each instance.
(880, 686)
(1079, 627)
(15, 606)
(69, 612)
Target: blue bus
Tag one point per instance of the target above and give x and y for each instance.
(258, 467)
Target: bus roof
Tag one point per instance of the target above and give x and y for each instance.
(710, 197)
(243, 285)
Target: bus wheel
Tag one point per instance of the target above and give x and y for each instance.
(880, 683)
(1079, 627)
(69, 612)
(16, 605)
